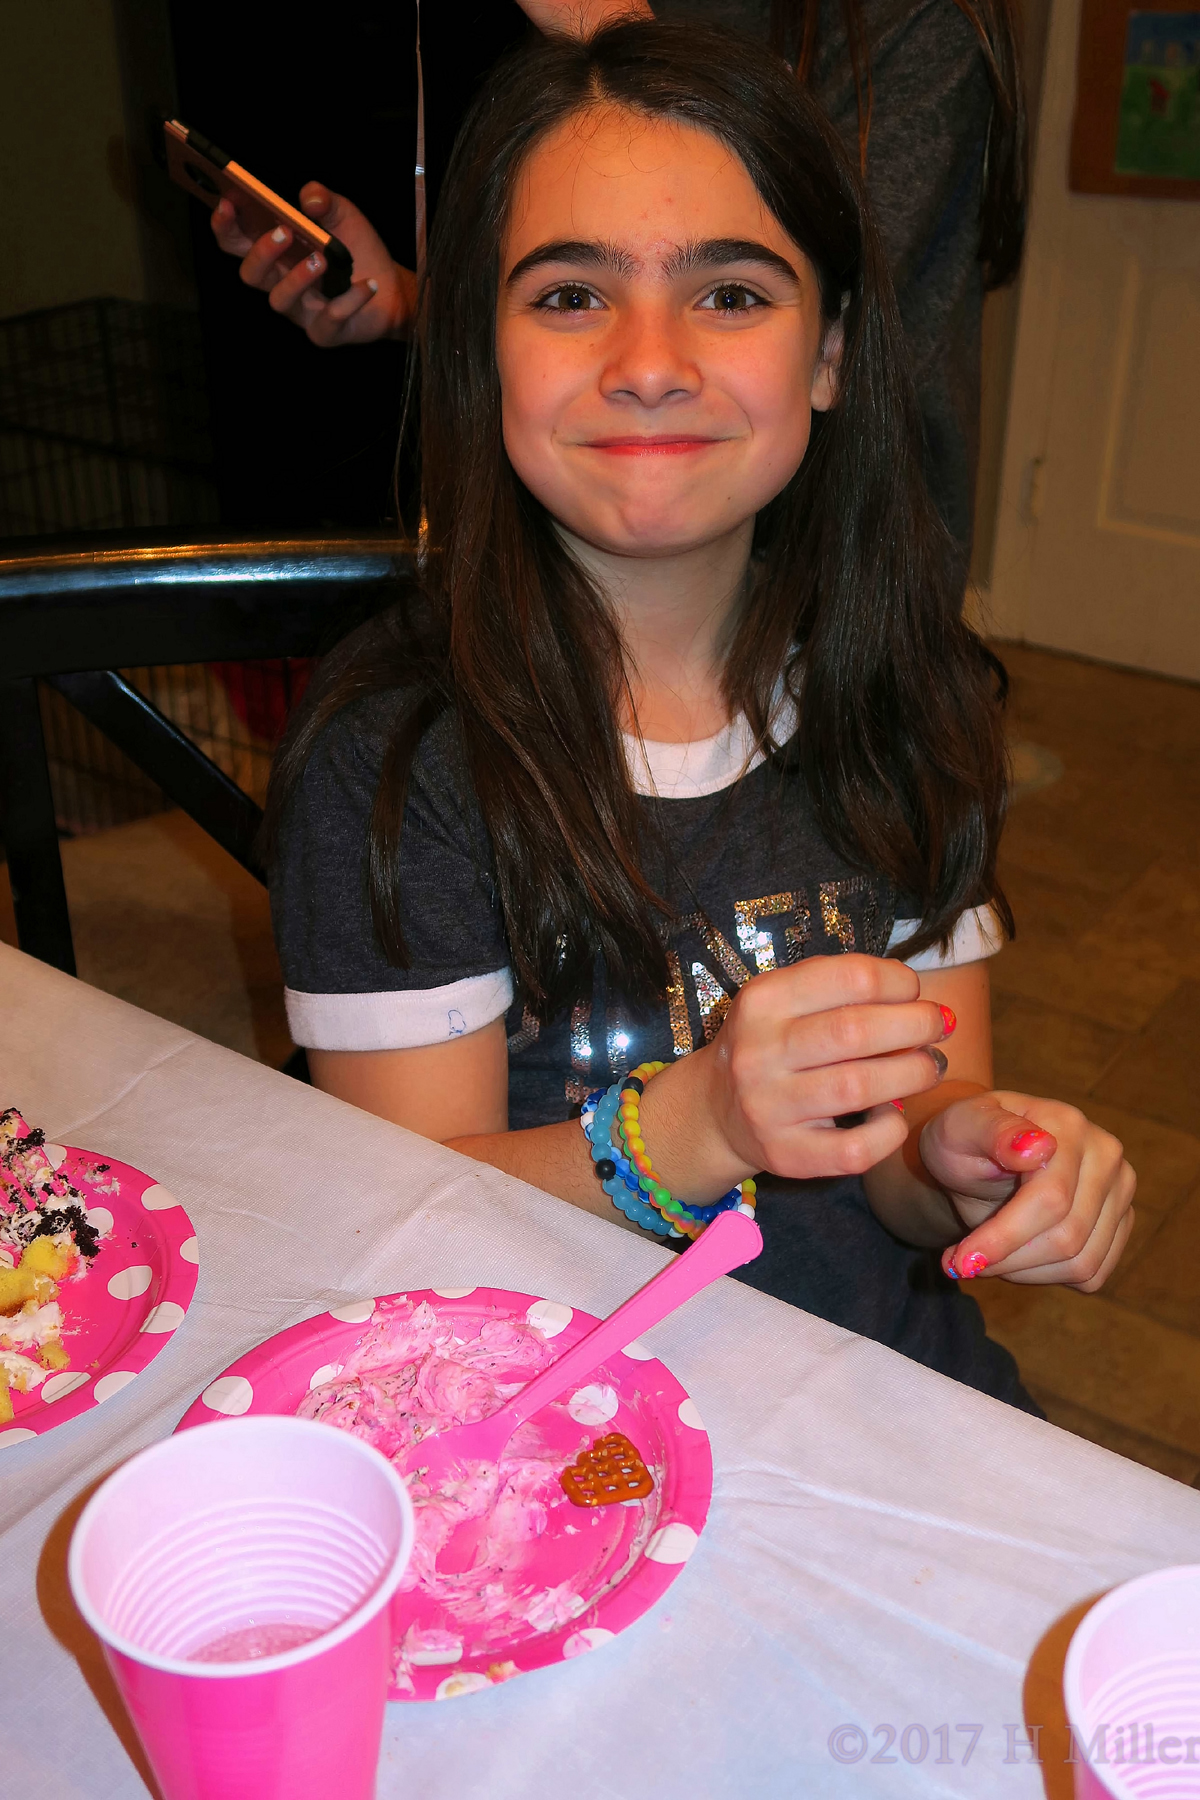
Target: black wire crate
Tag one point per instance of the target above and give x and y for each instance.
(103, 420)
(104, 426)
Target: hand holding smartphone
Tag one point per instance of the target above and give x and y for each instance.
(210, 175)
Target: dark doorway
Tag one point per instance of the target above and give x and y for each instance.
(305, 437)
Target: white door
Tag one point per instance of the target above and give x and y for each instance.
(1098, 527)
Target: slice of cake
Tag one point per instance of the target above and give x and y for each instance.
(45, 1239)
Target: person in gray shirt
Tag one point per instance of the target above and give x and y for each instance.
(927, 96)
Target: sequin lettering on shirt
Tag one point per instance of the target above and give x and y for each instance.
(677, 1007)
(714, 1001)
(752, 939)
(717, 945)
(875, 931)
(620, 1046)
(581, 1034)
(799, 932)
(578, 1085)
(837, 923)
(528, 1034)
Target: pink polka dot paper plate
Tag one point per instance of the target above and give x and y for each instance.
(612, 1562)
(121, 1312)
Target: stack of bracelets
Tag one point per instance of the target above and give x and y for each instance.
(629, 1180)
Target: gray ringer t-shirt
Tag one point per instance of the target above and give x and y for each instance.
(753, 885)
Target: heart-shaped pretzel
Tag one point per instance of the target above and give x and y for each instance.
(609, 1471)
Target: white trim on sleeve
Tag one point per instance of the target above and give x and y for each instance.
(398, 1020)
(976, 935)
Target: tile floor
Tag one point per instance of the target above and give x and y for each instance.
(1097, 1002)
(163, 918)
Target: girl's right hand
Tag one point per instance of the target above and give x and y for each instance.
(381, 300)
(805, 1045)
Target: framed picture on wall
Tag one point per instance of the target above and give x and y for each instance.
(1137, 105)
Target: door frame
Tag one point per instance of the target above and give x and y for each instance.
(1007, 603)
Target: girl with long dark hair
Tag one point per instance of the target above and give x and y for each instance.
(927, 96)
(677, 733)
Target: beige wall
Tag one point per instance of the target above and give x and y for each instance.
(70, 230)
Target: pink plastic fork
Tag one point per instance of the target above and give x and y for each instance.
(731, 1240)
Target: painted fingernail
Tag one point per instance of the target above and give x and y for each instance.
(939, 1061)
(949, 1021)
(951, 1271)
(279, 235)
(899, 1106)
(973, 1264)
(313, 262)
(1026, 1142)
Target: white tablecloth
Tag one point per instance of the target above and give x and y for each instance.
(885, 1548)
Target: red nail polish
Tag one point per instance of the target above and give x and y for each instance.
(973, 1265)
(948, 1020)
(1026, 1142)
(899, 1105)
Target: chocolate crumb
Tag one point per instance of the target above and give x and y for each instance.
(62, 1218)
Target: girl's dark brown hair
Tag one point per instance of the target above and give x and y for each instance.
(852, 595)
(795, 34)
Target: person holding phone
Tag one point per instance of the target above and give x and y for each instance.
(927, 97)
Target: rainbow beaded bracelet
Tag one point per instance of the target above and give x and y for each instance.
(630, 1181)
(690, 1219)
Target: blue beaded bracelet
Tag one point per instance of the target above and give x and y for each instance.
(608, 1152)
(599, 1111)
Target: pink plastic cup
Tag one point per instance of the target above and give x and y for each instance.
(1132, 1690)
(278, 1542)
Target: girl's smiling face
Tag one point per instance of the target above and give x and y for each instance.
(659, 337)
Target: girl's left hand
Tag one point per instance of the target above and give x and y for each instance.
(1044, 1194)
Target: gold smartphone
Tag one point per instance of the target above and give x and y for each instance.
(210, 175)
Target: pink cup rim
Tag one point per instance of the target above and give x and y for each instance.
(1086, 1630)
(262, 1665)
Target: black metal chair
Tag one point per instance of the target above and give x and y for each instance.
(74, 619)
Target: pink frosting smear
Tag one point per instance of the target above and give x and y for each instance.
(415, 1373)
